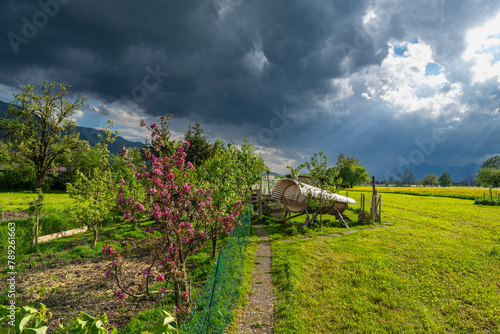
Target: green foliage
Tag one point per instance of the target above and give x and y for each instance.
(350, 172)
(489, 177)
(94, 193)
(87, 324)
(429, 273)
(493, 162)
(165, 327)
(38, 127)
(430, 180)
(249, 166)
(486, 201)
(15, 178)
(199, 149)
(445, 180)
(28, 320)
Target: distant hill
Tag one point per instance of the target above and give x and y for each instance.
(91, 135)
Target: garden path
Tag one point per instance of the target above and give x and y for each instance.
(259, 314)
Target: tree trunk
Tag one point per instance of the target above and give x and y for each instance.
(37, 224)
(177, 297)
(40, 180)
(94, 244)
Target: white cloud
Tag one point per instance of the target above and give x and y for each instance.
(255, 60)
(403, 82)
(483, 50)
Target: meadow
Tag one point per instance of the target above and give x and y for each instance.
(452, 192)
(434, 270)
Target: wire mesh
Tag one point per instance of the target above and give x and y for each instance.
(216, 302)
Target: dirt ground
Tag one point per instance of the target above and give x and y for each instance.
(67, 286)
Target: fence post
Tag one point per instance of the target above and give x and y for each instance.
(260, 197)
(213, 290)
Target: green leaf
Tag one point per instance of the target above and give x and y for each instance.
(4, 330)
(41, 330)
(24, 321)
(87, 317)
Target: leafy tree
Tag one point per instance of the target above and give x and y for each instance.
(445, 180)
(489, 174)
(322, 175)
(493, 162)
(250, 166)
(182, 214)
(230, 173)
(94, 192)
(161, 139)
(430, 180)
(220, 173)
(350, 172)
(39, 128)
(489, 177)
(199, 148)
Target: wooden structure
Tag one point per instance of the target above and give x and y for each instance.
(293, 194)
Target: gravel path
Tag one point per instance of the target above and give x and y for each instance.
(259, 314)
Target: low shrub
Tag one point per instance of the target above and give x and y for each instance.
(486, 201)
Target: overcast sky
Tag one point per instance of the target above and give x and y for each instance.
(388, 82)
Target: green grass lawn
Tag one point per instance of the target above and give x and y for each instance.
(19, 201)
(435, 270)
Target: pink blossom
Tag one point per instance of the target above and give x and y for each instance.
(122, 181)
(190, 165)
(160, 278)
(186, 143)
(154, 125)
(145, 272)
(115, 263)
(107, 273)
(185, 294)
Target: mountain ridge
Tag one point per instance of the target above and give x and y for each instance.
(91, 135)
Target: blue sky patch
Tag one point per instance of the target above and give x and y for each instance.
(432, 69)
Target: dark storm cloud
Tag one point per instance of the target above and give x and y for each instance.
(234, 61)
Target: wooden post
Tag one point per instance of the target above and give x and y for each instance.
(374, 200)
(363, 201)
(380, 209)
(268, 184)
(260, 197)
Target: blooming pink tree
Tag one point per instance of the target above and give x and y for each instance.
(183, 217)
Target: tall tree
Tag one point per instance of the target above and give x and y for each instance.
(94, 192)
(39, 128)
(493, 162)
(350, 172)
(430, 180)
(445, 180)
(199, 148)
(489, 174)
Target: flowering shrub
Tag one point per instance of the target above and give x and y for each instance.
(184, 216)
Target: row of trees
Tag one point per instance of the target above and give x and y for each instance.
(488, 176)
(188, 191)
(347, 173)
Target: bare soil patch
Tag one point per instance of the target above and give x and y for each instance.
(9, 215)
(67, 286)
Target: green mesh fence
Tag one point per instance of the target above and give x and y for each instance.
(216, 302)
